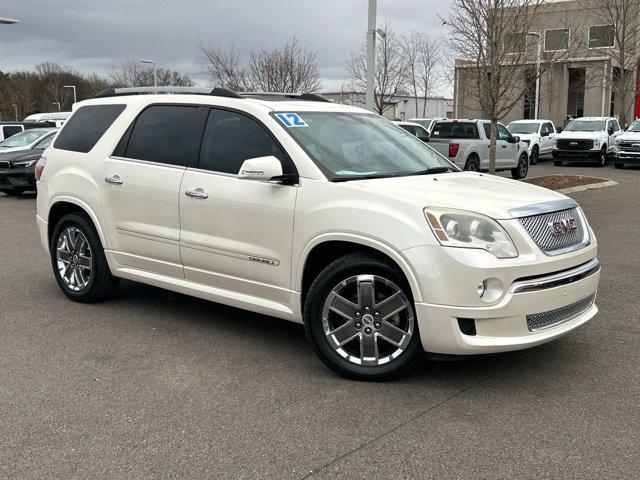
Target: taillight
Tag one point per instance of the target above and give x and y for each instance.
(454, 148)
(40, 167)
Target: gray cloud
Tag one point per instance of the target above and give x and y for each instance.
(93, 36)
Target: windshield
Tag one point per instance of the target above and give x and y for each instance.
(634, 127)
(349, 146)
(523, 128)
(425, 122)
(585, 126)
(22, 139)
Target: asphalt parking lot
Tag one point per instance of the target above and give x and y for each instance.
(158, 385)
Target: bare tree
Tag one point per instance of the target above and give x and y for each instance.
(132, 73)
(289, 69)
(491, 39)
(422, 60)
(622, 16)
(224, 68)
(391, 76)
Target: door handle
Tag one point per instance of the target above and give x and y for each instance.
(504, 146)
(115, 180)
(196, 193)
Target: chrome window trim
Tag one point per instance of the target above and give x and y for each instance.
(541, 208)
(148, 162)
(558, 280)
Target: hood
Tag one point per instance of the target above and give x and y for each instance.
(12, 149)
(579, 135)
(478, 192)
(20, 155)
(629, 136)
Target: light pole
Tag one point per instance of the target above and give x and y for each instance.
(75, 99)
(371, 55)
(155, 78)
(15, 109)
(539, 37)
(8, 21)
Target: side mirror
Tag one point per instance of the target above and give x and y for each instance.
(424, 136)
(261, 168)
(515, 139)
(544, 134)
(559, 129)
(611, 131)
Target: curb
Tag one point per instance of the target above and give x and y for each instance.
(591, 186)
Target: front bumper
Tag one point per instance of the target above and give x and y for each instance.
(629, 158)
(18, 179)
(576, 155)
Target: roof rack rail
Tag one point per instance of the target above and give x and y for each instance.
(118, 92)
(311, 97)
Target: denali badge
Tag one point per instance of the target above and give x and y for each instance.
(566, 225)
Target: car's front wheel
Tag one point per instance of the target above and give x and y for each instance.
(535, 155)
(359, 317)
(602, 157)
(522, 169)
(12, 192)
(78, 261)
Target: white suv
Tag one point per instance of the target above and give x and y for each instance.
(314, 212)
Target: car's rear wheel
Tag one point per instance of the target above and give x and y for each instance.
(12, 192)
(78, 261)
(522, 169)
(535, 155)
(473, 163)
(359, 317)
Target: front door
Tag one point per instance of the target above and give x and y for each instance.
(507, 149)
(236, 234)
(140, 187)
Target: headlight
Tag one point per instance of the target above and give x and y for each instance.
(24, 164)
(555, 143)
(595, 145)
(462, 229)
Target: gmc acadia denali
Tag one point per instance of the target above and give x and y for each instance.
(318, 213)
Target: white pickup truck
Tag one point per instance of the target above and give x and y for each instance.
(586, 139)
(537, 134)
(626, 148)
(466, 143)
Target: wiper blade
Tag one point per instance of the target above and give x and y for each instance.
(368, 176)
(433, 171)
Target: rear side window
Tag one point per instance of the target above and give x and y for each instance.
(86, 127)
(11, 130)
(463, 130)
(165, 134)
(230, 138)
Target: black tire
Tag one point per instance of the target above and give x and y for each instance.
(12, 192)
(473, 163)
(618, 165)
(337, 275)
(602, 157)
(101, 284)
(535, 155)
(522, 169)
(557, 163)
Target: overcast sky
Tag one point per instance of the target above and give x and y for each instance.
(93, 36)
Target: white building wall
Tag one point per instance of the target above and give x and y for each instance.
(402, 107)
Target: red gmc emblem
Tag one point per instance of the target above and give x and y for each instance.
(566, 225)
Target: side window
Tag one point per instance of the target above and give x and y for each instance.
(164, 134)
(44, 144)
(409, 128)
(422, 133)
(487, 129)
(230, 138)
(503, 133)
(616, 127)
(549, 128)
(10, 130)
(86, 126)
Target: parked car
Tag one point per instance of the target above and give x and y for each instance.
(626, 148)
(26, 139)
(427, 123)
(467, 143)
(415, 129)
(17, 169)
(586, 139)
(314, 212)
(537, 134)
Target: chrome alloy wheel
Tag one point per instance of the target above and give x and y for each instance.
(368, 320)
(73, 257)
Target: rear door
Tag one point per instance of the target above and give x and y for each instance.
(141, 184)
(236, 234)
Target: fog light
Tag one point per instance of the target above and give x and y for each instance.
(481, 289)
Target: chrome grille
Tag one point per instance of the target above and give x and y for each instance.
(539, 227)
(629, 146)
(5, 166)
(552, 318)
(577, 144)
